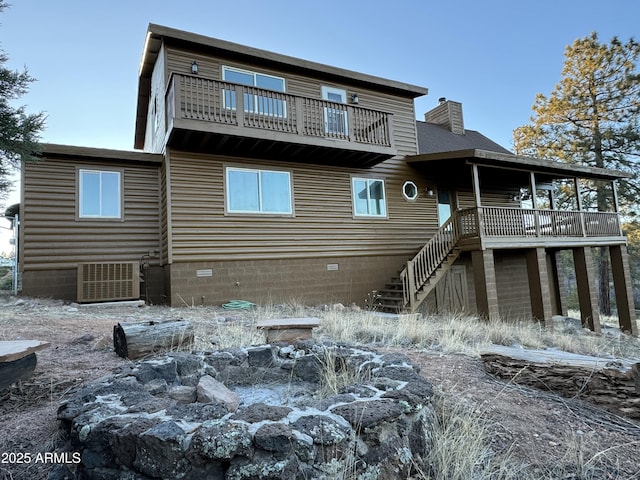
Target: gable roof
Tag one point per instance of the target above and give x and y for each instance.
(434, 138)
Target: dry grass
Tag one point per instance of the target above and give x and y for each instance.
(459, 438)
(457, 446)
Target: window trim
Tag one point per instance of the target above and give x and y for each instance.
(404, 193)
(79, 194)
(255, 109)
(254, 74)
(384, 198)
(227, 196)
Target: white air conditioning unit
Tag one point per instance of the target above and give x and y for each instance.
(107, 282)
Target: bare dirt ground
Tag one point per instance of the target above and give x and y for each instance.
(550, 437)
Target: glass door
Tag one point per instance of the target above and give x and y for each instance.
(335, 116)
(444, 206)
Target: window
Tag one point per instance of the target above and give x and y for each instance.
(258, 191)
(272, 105)
(409, 191)
(100, 194)
(368, 197)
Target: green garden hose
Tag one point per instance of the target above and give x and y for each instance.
(238, 305)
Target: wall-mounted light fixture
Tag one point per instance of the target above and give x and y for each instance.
(194, 68)
(429, 191)
(355, 99)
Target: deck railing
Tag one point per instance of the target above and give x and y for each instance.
(193, 97)
(522, 222)
(429, 258)
(502, 222)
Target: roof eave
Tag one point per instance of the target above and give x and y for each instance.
(496, 159)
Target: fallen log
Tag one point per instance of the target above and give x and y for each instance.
(18, 360)
(613, 384)
(136, 340)
(11, 372)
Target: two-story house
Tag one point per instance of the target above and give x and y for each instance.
(272, 179)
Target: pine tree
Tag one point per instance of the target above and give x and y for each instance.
(19, 131)
(592, 117)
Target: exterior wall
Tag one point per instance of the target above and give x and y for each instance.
(59, 284)
(179, 61)
(305, 280)
(156, 114)
(323, 224)
(53, 240)
(488, 198)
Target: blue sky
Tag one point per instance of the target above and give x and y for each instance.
(492, 55)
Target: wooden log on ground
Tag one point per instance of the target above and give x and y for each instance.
(11, 372)
(613, 384)
(18, 360)
(136, 340)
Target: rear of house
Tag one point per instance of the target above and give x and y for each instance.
(268, 178)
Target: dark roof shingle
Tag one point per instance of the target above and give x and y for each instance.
(434, 138)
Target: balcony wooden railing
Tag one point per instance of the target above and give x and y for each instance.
(518, 222)
(193, 97)
(503, 223)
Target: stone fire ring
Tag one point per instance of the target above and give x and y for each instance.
(251, 413)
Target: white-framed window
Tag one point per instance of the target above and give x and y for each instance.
(99, 193)
(271, 105)
(251, 190)
(409, 191)
(368, 197)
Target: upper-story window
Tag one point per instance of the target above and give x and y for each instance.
(368, 197)
(99, 194)
(258, 191)
(256, 100)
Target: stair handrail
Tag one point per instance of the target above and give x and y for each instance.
(422, 266)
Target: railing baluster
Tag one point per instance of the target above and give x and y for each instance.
(229, 103)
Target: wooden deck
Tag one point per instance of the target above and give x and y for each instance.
(228, 114)
(486, 228)
(503, 227)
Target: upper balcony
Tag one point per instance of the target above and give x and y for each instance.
(238, 120)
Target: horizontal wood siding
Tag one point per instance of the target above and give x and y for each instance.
(52, 238)
(323, 225)
(488, 198)
(179, 61)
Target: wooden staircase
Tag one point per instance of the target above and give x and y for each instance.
(406, 292)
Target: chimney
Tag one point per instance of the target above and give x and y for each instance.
(448, 114)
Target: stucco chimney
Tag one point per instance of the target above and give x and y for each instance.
(448, 114)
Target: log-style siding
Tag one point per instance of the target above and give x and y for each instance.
(323, 224)
(52, 237)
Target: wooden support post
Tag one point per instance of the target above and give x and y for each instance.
(623, 288)
(534, 202)
(484, 279)
(475, 178)
(539, 291)
(559, 302)
(300, 113)
(240, 105)
(586, 283)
